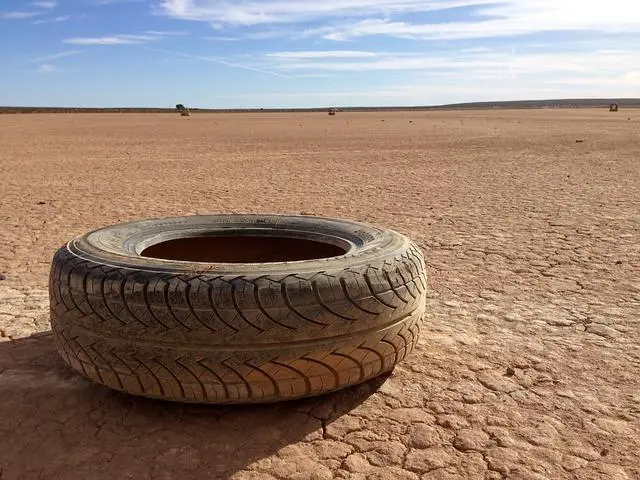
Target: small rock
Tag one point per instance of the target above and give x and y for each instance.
(393, 473)
(471, 439)
(422, 461)
(453, 304)
(501, 459)
(571, 462)
(513, 317)
(472, 398)
(423, 436)
(616, 427)
(586, 453)
(566, 394)
(579, 141)
(613, 472)
(41, 203)
(357, 463)
(510, 372)
(559, 322)
(602, 330)
(4, 276)
(342, 426)
(453, 422)
(497, 384)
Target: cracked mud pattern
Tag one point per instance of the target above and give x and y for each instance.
(528, 366)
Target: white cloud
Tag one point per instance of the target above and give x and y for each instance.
(324, 54)
(248, 12)
(487, 18)
(45, 4)
(17, 15)
(504, 68)
(55, 56)
(61, 18)
(46, 68)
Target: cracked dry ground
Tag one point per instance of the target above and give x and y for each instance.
(528, 367)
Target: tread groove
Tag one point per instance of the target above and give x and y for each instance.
(376, 353)
(234, 298)
(393, 288)
(256, 296)
(242, 379)
(165, 293)
(316, 292)
(203, 389)
(145, 294)
(358, 364)
(395, 350)
(287, 300)
(213, 372)
(187, 292)
(155, 377)
(305, 378)
(368, 280)
(273, 381)
(131, 370)
(115, 372)
(126, 304)
(104, 298)
(343, 284)
(173, 375)
(404, 280)
(216, 311)
(334, 372)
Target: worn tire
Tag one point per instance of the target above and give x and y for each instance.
(236, 332)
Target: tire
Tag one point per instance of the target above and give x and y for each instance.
(210, 332)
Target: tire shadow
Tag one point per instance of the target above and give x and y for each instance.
(56, 424)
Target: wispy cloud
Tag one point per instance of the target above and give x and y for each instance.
(45, 4)
(47, 68)
(166, 33)
(17, 15)
(218, 60)
(222, 39)
(61, 18)
(125, 39)
(55, 56)
(111, 40)
(323, 54)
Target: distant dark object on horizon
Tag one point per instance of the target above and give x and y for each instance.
(184, 111)
(613, 107)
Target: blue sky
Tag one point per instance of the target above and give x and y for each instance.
(285, 53)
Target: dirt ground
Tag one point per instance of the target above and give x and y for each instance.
(529, 362)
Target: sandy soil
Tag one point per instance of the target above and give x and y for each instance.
(529, 365)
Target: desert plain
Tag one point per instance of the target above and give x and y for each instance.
(528, 365)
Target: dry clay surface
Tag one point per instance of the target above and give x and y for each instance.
(528, 366)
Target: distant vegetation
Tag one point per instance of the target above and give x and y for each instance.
(521, 104)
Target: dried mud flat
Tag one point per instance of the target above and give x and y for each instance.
(529, 363)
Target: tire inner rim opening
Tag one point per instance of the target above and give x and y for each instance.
(245, 249)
